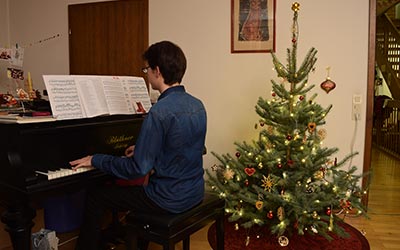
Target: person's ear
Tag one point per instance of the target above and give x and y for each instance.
(157, 71)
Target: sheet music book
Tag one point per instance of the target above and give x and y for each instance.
(83, 96)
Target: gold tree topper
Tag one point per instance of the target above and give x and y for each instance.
(295, 6)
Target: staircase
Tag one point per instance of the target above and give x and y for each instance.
(388, 48)
(386, 127)
(382, 6)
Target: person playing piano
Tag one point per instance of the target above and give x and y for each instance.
(169, 146)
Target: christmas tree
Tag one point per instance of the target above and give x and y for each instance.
(285, 179)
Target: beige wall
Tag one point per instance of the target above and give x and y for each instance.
(4, 39)
(4, 23)
(230, 84)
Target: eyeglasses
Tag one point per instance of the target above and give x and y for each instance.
(145, 69)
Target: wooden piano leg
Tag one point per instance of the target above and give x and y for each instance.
(18, 220)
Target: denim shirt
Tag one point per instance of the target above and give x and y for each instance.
(170, 143)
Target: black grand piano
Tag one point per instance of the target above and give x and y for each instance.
(29, 151)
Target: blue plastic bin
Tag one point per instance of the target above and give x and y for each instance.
(64, 213)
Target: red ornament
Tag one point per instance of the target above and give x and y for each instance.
(288, 137)
(249, 171)
(270, 215)
(328, 85)
(290, 163)
(345, 204)
(279, 165)
(246, 183)
(273, 94)
(328, 211)
(237, 154)
(293, 40)
(301, 98)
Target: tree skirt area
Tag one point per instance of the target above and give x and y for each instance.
(236, 240)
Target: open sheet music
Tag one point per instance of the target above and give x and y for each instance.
(79, 96)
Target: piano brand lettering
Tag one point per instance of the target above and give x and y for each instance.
(119, 138)
(120, 141)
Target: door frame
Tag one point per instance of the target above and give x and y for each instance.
(370, 99)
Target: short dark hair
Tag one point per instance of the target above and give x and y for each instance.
(169, 58)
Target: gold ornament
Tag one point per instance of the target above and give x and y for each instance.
(311, 127)
(259, 205)
(330, 228)
(281, 213)
(322, 134)
(236, 226)
(228, 174)
(319, 174)
(267, 183)
(247, 241)
(283, 241)
(270, 130)
(295, 6)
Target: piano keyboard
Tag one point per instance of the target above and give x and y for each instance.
(51, 175)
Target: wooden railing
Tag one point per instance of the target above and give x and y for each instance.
(388, 53)
(386, 131)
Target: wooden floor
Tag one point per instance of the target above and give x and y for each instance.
(382, 229)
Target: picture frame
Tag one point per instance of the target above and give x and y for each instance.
(253, 26)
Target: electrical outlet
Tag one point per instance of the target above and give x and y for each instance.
(356, 109)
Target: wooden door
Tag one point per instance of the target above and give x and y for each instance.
(108, 38)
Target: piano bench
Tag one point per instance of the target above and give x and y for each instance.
(168, 229)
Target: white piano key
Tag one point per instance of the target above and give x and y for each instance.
(63, 172)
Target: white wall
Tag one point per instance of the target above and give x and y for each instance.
(230, 84)
(32, 25)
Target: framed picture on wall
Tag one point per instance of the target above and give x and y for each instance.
(252, 26)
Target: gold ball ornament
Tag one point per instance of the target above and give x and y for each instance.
(295, 6)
